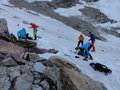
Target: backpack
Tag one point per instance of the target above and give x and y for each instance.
(13, 38)
(100, 67)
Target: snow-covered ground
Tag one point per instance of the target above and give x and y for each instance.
(109, 7)
(63, 38)
(73, 11)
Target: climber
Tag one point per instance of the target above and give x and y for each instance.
(34, 26)
(92, 38)
(84, 51)
(81, 40)
(22, 34)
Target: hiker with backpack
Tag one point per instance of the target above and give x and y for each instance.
(81, 40)
(34, 26)
(92, 39)
(28, 37)
(84, 51)
(21, 34)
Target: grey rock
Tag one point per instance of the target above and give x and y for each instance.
(25, 69)
(32, 57)
(5, 83)
(96, 15)
(91, 0)
(39, 67)
(36, 87)
(61, 62)
(37, 81)
(13, 72)
(4, 34)
(65, 3)
(10, 48)
(19, 60)
(66, 76)
(45, 85)
(24, 82)
(26, 44)
(37, 76)
(3, 26)
(42, 51)
(10, 62)
(4, 79)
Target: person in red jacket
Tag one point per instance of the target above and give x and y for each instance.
(81, 40)
(34, 26)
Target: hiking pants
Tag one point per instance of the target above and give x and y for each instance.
(35, 33)
(93, 42)
(80, 42)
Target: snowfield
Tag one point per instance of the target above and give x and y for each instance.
(57, 35)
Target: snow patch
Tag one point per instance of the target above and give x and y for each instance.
(73, 11)
(109, 7)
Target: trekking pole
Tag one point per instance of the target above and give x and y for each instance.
(42, 28)
(18, 26)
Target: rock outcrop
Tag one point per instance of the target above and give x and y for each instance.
(91, 0)
(4, 34)
(3, 26)
(47, 8)
(67, 76)
(96, 15)
(10, 48)
(65, 3)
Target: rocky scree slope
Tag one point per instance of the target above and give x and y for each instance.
(84, 26)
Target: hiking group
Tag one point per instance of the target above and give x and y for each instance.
(86, 47)
(22, 34)
(82, 48)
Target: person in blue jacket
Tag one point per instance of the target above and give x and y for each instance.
(92, 38)
(84, 51)
(22, 34)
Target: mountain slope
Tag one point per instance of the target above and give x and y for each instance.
(57, 35)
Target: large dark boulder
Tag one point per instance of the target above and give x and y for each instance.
(67, 76)
(4, 34)
(26, 44)
(10, 48)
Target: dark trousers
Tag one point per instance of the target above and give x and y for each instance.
(80, 42)
(35, 37)
(84, 53)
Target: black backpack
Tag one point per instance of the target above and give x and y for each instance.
(13, 38)
(100, 67)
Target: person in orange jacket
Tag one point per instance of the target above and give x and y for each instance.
(34, 26)
(81, 40)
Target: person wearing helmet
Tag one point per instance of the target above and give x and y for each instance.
(21, 34)
(92, 39)
(34, 26)
(81, 40)
(84, 51)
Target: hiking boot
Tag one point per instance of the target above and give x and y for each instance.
(91, 58)
(85, 59)
(93, 50)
